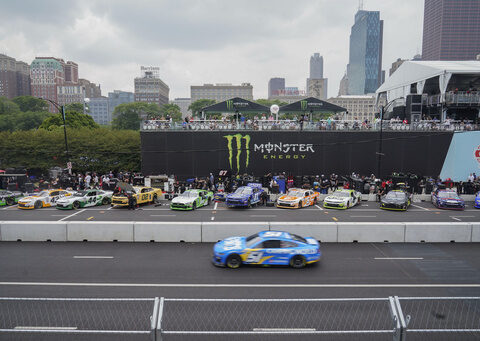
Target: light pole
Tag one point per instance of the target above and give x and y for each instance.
(61, 110)
(380, 145)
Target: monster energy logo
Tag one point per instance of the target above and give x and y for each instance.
(238, 146)
(304, 105)
(229, 104)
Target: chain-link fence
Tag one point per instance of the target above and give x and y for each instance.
(392, 318)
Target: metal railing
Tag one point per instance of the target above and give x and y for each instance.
(393, 318)
(323, 125)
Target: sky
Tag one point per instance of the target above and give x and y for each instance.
(209, 41)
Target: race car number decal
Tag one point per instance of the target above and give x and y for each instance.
(272, 234)
(93, 199)
(254, 257)
(144, 197)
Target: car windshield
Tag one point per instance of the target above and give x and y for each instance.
(80, 194)
(452, 195)
(43, 194)
(295, 193)
(395, 195)
(256, 239)
(189, 194)
(298, 238)
(244, 190)
(341, 194)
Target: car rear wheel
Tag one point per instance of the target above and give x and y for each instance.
(300, 204)
(10, 201)
(194, 206)
(209, 201)
(298, 262)
(154, 198)
(76, 205)
(233, 261)
(105, 201)
(38, 204)
(249, 204)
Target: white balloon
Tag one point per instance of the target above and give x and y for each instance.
(274, 109)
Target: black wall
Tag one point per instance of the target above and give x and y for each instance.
(193, 153)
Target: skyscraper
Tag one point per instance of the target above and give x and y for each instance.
(451, 30)
(118, 97)
(275, 86)
(149, 88)
(316, 66)
(14, 77)
(47, 74)
(364, 70)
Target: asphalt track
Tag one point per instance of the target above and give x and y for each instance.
(365, 212)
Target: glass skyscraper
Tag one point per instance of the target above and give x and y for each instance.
(316, 66)
(364, 69)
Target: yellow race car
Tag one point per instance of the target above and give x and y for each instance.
(298, 198)
(142, 195)
(47, 198)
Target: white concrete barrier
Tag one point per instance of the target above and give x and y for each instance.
(371, 232)
(101, 231)
(167, 231)
(215, 231)
(33, 231)
(325, 232)
(475, 232)
(438, 232)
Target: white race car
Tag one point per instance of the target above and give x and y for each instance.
(87, 198)
(342, 199)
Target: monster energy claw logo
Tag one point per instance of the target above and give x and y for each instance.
(304, 105)
(238, 140)
(229, 104)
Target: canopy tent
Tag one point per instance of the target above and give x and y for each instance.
(416, 73)
(311, 104)
(235, 105)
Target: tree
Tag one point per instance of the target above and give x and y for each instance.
(77, 107)
(30, 103)
(171, 110)
(30, 120)
(129, 115)
(73, 120)
(269, 102)
(8, 107)
(198, 105)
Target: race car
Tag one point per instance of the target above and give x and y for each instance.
(396, 200)
(47, 198)
(88, 198)
(298, 198)
(245, 196)
(477, 201)
(267, 248)
(8, 198)
(141, 195)
(447, 199)
(192, 199)
(342, 199)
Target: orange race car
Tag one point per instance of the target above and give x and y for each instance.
(46, 198)
(298, 198)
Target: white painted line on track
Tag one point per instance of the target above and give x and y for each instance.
(215, 206)
(423, 208)
(108, 209)
(71, 215)
(6, 208)
(213, 218)
(93, 257)
(44, 328)
(320, 208)
(364, 205)
(227, 285)
(398, 258)
(455, 218)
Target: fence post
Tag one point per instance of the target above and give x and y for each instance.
(154, 318)
(403, 324)
(158, 330)
(397, 335)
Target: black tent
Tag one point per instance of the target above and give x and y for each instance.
(235, 105)
(311, 105)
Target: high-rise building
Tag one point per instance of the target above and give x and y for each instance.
(451, 30)
(343, 89)
(275, 86)
(317, 88)
(14, 77)
(396, 65)
(98, 109)
(149, 88)
(118, 97)
(361, 107)
(316, 66)
(47, 73)
(92, 90)
(364, 69)
(221, 91)
(183, 104)
(71, 72)
(69, 94)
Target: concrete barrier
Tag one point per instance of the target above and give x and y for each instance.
(104, 231)
(371, 232)
(325, 232)
(475, 232)
(167, 232)
(215, 231)
(33, 231)
(438, 232)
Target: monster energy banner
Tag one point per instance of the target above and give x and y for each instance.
(234, 105)
(311, 104)
(198, 153)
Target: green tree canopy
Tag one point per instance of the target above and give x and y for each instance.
(30, 103)
(8, 107)
(171, 110)
(77, 107)
(73, 120)
(198, 105)
(270, 102)
(129, 115)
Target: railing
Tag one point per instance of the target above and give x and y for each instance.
(463, 98)
(393, 318)
(322, 125)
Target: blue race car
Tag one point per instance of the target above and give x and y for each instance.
(245, 196)
(267, 248)
(447, 199)
(477, 201)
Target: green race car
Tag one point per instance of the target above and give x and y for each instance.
(192, 199)
(8, 198)
(87, 198)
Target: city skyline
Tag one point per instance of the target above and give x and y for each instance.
(111, 40)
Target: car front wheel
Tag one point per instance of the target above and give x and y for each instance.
(38, 204)
(233, 261)
(76, 205)
(10, 201)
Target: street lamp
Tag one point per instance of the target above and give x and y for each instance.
(380, 145)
